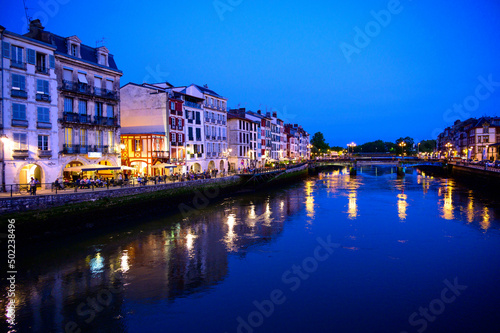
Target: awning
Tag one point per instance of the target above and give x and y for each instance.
(124, 167)
(82, 78)
(164, 165)
(92, 167)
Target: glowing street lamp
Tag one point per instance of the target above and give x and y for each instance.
(352, 145)
(402, 144)
(448, 146)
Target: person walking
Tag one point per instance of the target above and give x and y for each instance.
(32, 186)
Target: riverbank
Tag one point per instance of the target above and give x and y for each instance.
(53, 216)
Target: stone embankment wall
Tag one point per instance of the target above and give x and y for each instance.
(25, 203)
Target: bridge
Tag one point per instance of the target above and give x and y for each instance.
(267, 175)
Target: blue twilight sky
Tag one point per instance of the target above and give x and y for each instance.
(306, 60)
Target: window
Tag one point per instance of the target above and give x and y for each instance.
(43, 115)
(18, 111)
(190, 133)
(99, 138)
(172, 106)
(103, 59)
(68, 104)
(68, 136)
(17, 55)
(98, 109)
(109, 84)
(111, 139)
(82, 107)
(83, 137)
(98, 82)
(43, 142)
(18, 82)
(67, 75)
(179, 124)
(179, 136)
(41, 62)
(20, 141)
(74, 50)
(172, 137)
(137, 145)
(198, 134)
(42, 87)
(110, 111)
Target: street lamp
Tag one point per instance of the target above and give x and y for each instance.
(402, 144)
(352, 145)
(448, 146)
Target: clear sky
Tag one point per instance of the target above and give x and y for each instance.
(305, 59)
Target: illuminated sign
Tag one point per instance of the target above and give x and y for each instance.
(94, 154)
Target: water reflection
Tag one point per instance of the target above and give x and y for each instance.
(178, 257)
(402, 204)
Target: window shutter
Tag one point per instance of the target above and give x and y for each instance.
(39, 85)
(31, 56)
(22, 81)
(182, 122)
(52, 61)
(6, 49)
(170, 121)
(46, 87)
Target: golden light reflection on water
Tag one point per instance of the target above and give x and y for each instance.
(485, 222)
(470, 210)
(97, 264)
(447, 210)
(230, 238)
(124, 262)
(353, 206)
(309, 189)
(402, 205)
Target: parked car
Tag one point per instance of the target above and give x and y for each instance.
(474, 161)
(490, 163)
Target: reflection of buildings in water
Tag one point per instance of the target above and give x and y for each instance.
(485, 222)
(309, 190)
(470, 209)
(162, 265)
(402, 205)
(447, 202)
(424, 180)
(353, 206)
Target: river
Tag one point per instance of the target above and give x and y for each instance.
(332, 253)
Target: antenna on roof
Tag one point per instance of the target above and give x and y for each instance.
(28, 20)
(100, 42)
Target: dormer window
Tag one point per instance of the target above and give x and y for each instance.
(103, 59)
(74, 50)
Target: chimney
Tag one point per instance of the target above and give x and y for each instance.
(36, 29)
(275, 115)
(268, 114)
(259, 112)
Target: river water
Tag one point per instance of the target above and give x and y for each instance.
(332, 253)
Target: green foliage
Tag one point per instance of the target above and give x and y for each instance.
(427, 146)
(408, 148)
(318, 142)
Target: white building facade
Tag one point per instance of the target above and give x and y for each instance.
(29, 112)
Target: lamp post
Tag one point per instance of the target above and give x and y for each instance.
(352, 145)
(402, 144)
(448, 146)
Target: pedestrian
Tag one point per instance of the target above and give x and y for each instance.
(32, 184)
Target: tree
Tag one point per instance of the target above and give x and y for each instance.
(318, 142)
(408, 148)
(427, 146)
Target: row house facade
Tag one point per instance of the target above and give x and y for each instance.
(152, 129)
(298, 142)
(29, 110)
(88, 101)
(244, 141)
(472, 139)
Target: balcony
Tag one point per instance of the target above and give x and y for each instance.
(17, 64)
(192, 105)
(161, 154)
(44, 153)
(43, 124)
(43, 97)
(18, 93)
(19, 123)
(208, 137)
(42, 69)
(105, 121)
(76, 87)
(20, 153)
(105, 93)
(101, 149)
(72, 117)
